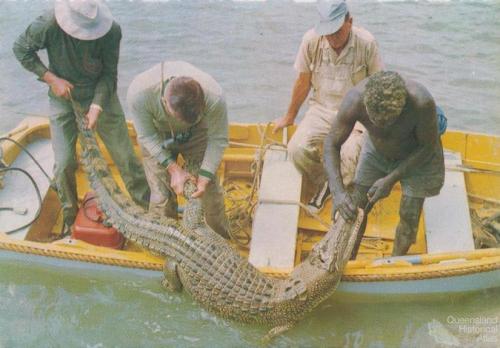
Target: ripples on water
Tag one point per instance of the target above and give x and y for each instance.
(451, 47)
(54, 305)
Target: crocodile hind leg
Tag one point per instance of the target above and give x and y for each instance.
(171, 281)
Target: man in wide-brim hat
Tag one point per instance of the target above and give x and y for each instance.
(83, 44)
(333, 57)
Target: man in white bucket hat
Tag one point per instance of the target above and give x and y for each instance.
(83, 44)
(333, 57)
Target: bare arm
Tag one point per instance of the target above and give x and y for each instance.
(342, 127)
(300, 91)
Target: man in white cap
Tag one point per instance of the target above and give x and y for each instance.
(333, 57)
(83, 43)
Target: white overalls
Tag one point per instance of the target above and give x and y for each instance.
(332, 76)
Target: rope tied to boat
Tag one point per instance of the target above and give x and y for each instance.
(242, 207)
(486, 230)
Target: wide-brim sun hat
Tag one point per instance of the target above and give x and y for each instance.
(83, 19)
(331, 16)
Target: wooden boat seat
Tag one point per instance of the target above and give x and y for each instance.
(447, 218)
(274, 230)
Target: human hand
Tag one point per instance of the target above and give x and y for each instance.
(178, 178)
(344, 204)
(282, 122)
(380, 189)
(201, 185)
(60, 87)
(91, 118)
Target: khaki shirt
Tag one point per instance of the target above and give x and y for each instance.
(154, 125)
(334, 74)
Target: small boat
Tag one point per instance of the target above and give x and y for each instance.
(456, 250)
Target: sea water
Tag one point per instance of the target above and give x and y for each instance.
(452, 47)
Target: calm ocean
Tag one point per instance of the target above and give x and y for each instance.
(452, 47)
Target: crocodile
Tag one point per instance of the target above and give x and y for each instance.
(207, 267)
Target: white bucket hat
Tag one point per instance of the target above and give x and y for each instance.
(83, 19)
(331, 16)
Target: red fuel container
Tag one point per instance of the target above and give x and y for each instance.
(89, 227)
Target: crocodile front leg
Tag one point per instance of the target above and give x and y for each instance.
(171, 281)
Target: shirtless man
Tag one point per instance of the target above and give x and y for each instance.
(402, 144)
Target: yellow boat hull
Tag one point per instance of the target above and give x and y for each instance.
(373, 272)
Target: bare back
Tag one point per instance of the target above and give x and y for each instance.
(416, 126)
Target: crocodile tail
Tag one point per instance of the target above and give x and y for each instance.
(160, 234)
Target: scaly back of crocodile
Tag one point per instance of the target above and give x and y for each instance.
(209, 268)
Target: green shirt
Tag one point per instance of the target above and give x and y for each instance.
(154, 125)
(91, 66)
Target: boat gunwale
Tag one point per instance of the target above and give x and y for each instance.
(356, 271)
